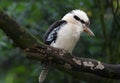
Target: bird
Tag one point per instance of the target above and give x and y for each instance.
(65, 33)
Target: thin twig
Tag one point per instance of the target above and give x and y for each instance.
(115, 12)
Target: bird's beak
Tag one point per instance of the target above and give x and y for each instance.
(88, 30)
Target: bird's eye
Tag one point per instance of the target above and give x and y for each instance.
(87, 23)
(77, 18)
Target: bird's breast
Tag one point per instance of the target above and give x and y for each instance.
(67, 37)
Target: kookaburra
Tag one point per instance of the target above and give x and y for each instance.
(65, 33)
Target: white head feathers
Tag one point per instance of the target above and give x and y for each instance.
(79, 13)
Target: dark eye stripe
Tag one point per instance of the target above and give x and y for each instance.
(77, 18)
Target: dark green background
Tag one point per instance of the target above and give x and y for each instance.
(37, 15)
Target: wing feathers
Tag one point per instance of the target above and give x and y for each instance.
(51, 34)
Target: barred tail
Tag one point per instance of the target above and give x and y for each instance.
(44, 73)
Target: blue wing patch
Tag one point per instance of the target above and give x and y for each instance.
(51, 34)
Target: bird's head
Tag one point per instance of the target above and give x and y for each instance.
(79, 18)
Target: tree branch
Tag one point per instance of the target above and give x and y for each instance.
(17, 33)
(60, 58)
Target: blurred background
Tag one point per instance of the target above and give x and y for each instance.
(37, 15)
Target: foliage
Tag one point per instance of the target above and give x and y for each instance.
(37, 15)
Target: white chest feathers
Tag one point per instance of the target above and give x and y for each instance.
(67, 37)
